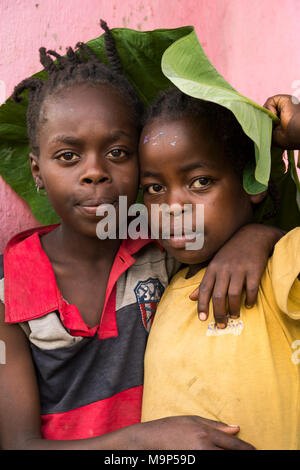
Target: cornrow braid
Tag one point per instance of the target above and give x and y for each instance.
(80, 66)
(220, 123)
(32, 84)
(111, 50)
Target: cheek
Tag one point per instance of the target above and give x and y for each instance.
(226, 211)
(56, 189)
(154, 217)
(128, 182)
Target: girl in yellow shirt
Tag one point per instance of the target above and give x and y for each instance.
(246, 369)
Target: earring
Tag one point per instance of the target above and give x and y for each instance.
(38, 190)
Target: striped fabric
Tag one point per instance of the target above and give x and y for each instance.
(90, 379)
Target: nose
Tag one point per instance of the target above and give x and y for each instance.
(94, 171)
(176, 202)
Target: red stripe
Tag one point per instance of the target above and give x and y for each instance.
(95, 419)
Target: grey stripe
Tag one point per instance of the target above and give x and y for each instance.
(92, 369)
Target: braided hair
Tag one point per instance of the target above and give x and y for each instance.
(218, 122)
(75, 68)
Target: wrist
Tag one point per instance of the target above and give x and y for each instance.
(272, 236)
(293, 131)
(266, 233)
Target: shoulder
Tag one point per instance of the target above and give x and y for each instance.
(286, 257)
(284, 269)
(153, 254)
(30, 285)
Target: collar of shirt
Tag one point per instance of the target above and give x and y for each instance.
(31, 291)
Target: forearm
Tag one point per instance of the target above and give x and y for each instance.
(265, 234)
(122, 439)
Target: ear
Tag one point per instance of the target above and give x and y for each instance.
(35, 170)
(257, 198)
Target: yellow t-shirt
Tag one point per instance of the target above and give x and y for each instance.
(247, 374)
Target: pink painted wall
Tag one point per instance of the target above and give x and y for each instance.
(253, 43)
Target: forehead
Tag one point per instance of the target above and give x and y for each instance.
(183, 130)
(174, 141)
(81, 104)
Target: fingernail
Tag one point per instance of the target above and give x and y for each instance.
(221, 325)
(202, 316)
(248, 306)
(234, 317)
(233, 425)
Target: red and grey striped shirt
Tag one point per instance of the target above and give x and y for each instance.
(90, 379)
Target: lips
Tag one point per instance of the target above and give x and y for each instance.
(180, 242)
(90, 206)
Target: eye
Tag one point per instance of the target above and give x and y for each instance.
(154, 188)
(68, 157)
(201, 182)
(117, 153)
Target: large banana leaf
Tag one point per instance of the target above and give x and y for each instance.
(140, 53)
(153, 61)
(185, 64)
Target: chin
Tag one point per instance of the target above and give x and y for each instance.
(185, 256)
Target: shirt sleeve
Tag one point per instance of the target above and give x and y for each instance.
(284, 271)
(2, 290)
(1, 280)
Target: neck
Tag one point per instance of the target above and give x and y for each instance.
(65, 242)
(195, 268)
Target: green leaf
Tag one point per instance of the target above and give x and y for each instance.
(186, 65)
(140, 53)
(154, 61)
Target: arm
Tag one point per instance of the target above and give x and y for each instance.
(238, 265)
(286, 134)
(20, 426)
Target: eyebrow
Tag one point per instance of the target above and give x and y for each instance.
(184, 168)
(194, 166)
(67, 139)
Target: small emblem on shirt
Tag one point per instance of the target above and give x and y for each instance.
(234, 327)
(148, 293)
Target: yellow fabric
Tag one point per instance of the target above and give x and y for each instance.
(247, 374)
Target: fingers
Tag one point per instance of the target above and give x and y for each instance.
(221, 289)
(226, 293)
(235, 292)
(229, 428)
(277, 103)
(203, 294)
(222, 436)
(229, 442)
(270, 104)
(219, 300)
(252, 286)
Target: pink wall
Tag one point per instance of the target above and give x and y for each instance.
(253, 43)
